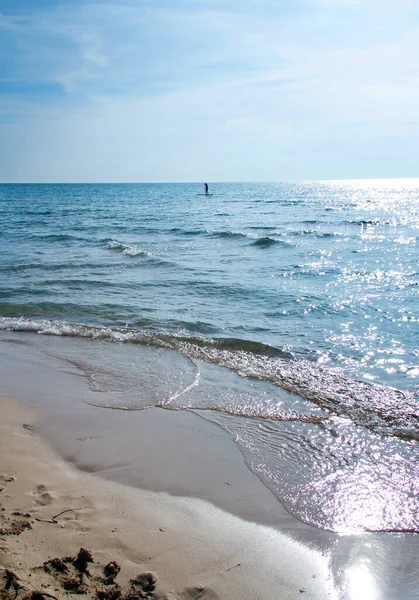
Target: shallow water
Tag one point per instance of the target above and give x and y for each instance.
(285, 313)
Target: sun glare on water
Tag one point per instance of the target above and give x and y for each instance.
(410, 183)
(361, 585)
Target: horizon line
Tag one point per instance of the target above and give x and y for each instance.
(202, 182)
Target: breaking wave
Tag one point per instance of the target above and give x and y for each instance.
(130, 250)
(385, 410)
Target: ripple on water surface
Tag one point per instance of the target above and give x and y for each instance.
(327, 470)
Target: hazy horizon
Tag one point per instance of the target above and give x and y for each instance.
(379, 180)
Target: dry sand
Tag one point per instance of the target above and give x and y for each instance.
(184, 548)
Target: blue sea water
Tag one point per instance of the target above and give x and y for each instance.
(308, 291)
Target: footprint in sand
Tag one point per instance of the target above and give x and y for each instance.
(6, 479)
(42, 495)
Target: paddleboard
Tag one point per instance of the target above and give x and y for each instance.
(205, 194)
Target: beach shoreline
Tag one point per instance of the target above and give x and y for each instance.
(170, 451)
(146, 474)
(195, 549)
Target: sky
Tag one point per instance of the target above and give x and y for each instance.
(208, 90)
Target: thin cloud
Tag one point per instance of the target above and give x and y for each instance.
(126, 85)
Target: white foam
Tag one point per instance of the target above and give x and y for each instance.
(127, 249)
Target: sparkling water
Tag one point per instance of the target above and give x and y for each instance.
(285, 312)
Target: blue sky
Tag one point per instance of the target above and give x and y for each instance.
(193, 90)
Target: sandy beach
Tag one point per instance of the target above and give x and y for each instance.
(157, 492)
(50, 511)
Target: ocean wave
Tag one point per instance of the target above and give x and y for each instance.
(302, 232)
(204, 232)
(328, 234)
(46, 311)
(127, 249)
(16, 268)
(315, 233)
(287, 202)
(77, 282)
(228, 234)
(53, 237)
(272, 413)
(363, 222)
(260, 228)
(268, 242)
(188, 232)
(39, 212)
(385, 410)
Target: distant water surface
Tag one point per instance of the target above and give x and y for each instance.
(308, 291)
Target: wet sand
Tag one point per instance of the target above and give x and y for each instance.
(51, 511)
(165, 491)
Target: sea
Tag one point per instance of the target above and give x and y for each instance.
(286, 313)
